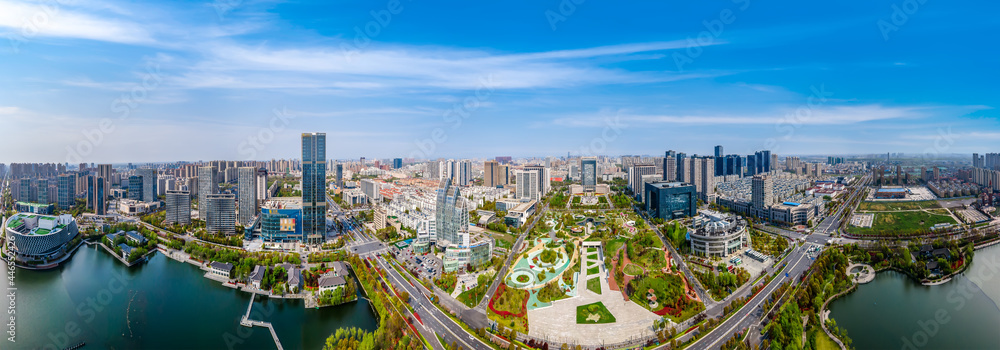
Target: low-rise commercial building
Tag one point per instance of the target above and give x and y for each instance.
(718, 235)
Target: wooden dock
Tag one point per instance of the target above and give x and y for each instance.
(247, 322)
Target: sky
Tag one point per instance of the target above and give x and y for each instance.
(154, 81)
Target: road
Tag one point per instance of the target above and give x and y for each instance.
(432, 317)
(510, 259)
(798, 263)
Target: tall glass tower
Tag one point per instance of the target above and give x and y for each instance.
(314, 187)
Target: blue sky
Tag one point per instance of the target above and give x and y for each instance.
(110, 81)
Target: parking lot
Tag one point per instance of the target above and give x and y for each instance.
(427, 266)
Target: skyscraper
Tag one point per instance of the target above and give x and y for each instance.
(461, 173)
(42, 192)
(397, 163)
(134, 187)
(314, 187)
(178, 207)
(720, 161)
(527, 184)
(451, 214)
(247, 188)
(340, 175)
(544, 181)
(491, 170)
(588, 172)
(680, 166)
(762, 194)
(207, 185)
(149, 184)
(635, 174)
(96, 196)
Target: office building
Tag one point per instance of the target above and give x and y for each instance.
(105, 172)
(207, 185)
(340, 175)
(588, 173)
(150, 184)
(96, 195)
(491, 173)
(718, 235)
(221, 211)
(670, 200)
(720, 161)
(134, 187)
(527, 185)
(178, 207)
(544, 178)
(680, 161)
(397, 163)
(451, 214)
(281, 221)
(34, 237)
(314, 187)
(247, 189)
(670, 168)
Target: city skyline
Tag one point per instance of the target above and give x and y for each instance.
(207, 78)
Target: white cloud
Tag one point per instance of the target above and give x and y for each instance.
(832, 115)
(25, 21)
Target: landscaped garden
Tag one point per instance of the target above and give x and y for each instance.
(594, 285)
(508, 308)
(664, 295)
(595, 313)
(633, 270)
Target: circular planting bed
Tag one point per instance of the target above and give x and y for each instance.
(521, 278)
(633, 270)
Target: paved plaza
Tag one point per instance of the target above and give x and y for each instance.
(557, 323)
(862, 220)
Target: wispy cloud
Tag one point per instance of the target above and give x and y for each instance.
(834, 115)
(24, 21)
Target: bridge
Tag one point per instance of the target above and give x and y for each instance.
(247, 322)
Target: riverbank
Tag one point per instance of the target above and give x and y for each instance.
(887, 313)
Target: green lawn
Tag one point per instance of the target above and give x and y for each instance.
(823, 342)
(614, 244)
(594, 285)
(902, 223)
(595, 313)
(592, 256)
(594, 270)
(891, 206)
(591, 250)
(632, 270)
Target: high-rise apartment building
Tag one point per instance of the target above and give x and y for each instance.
(221, 211)
(670, 167)
(491, 172)
(247, 189)
(178, 207)
(761, 195)
(66, 191)
(207, 185)
(314, 187)
(635, 174)
(42, 191)
(105, 172)
(461, 174)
